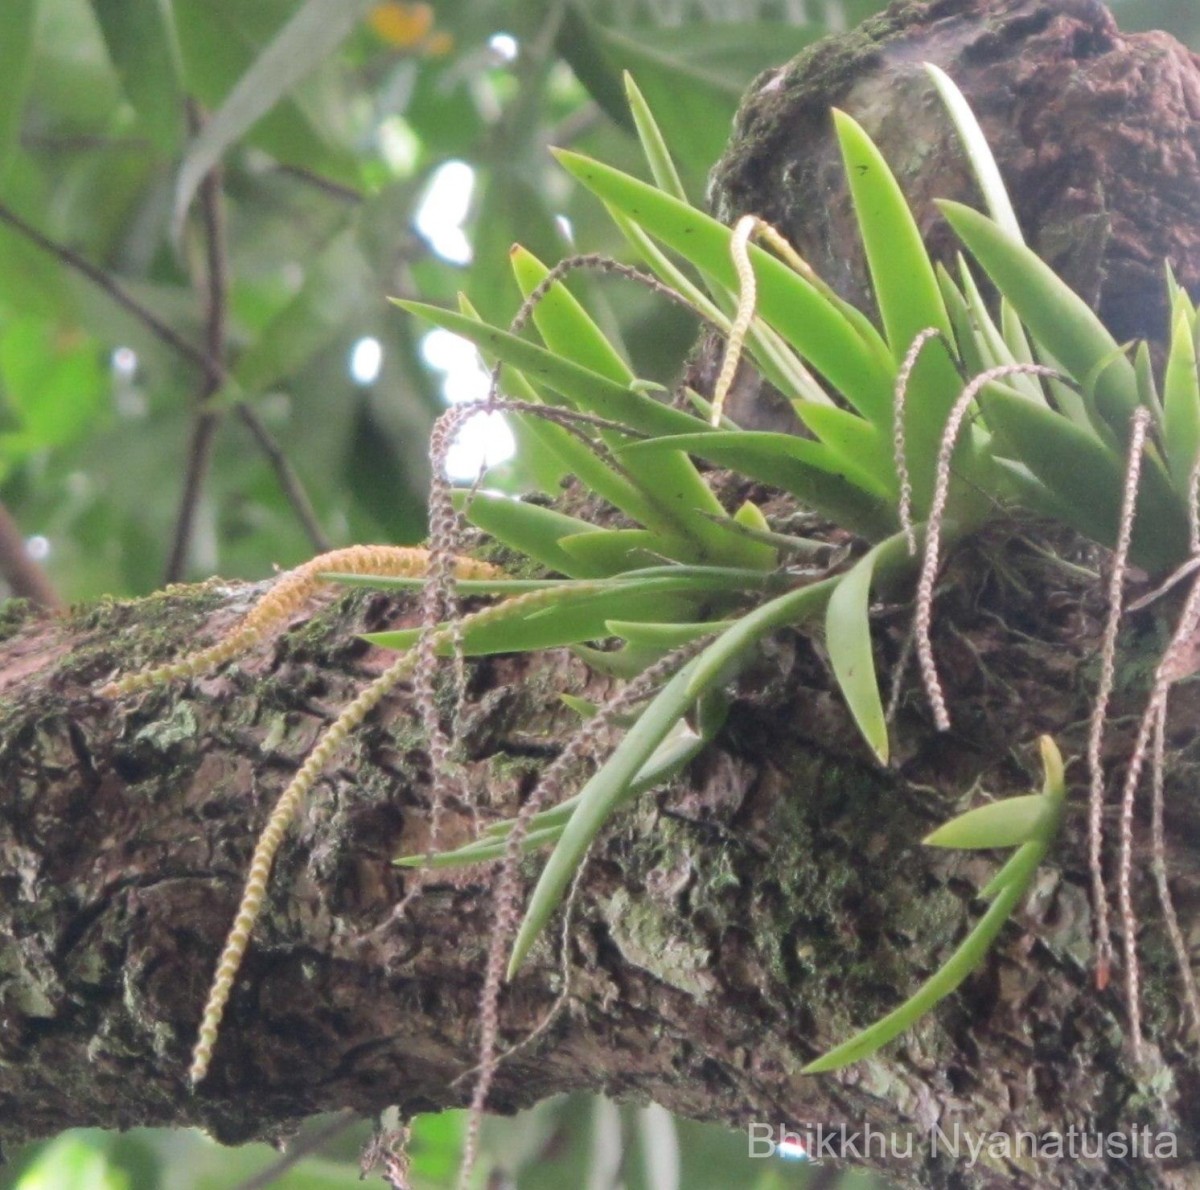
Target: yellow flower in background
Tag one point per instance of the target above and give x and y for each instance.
(409, 27)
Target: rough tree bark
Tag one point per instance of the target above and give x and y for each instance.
(729, 928)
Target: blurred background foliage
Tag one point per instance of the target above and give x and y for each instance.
(362, 150)
(575, 1143)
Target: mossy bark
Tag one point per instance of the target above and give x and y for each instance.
(1096, 133)
(730, 928)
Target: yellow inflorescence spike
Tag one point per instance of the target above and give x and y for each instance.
(264, 856)
(293, 796)
(284, 599)
(271, 612)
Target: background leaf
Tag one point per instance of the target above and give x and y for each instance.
(16, 61)
(140, 38)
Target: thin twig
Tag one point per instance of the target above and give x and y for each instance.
(22, 573)
(319, 182)
(206, 419)
(84, 143)
(115, 290)
(286, 476)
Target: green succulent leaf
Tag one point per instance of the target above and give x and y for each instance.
(613, 550)
(681, 744)
(481, 850)
(777, 362)
(972, 349)
(1147, 389)
(1007, 888)
(558, 813)
(848, 640)
(667, 635)
(677, 500)
(862, 448)
(902, 276)
(565, 326)
(654, 146)
(535, 531)
(1087, 478)
(587, 390)
(1060, 320)
(581, 615)
(979, 152)
(569, 332)
(907, 294)
(812, 472)
(1006, 823)
(806, 318)
(961, 963)
(990, 339)
(600, 798)
(1181, 403)
(576, 456)
(608, 788)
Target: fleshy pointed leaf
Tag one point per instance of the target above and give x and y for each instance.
(586, 389)
(579, 615)
(807, 469)
(614, 550)
(1006, 823)
(1087, 478)
(848, 641)
(811, 323)
(565, 326)
(667, 635)
(658, 156)
(1008, 886)
(908, 297)
(570, 333)
(609, 787)
(970, 953)
(1181, 403)
(979, 153)
(861, 447)
(531, 529)
(1058, 318)
(576, 457)
(902, 275)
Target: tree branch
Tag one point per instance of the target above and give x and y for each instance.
(286, 477)
(207, 418)
(726, 932)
